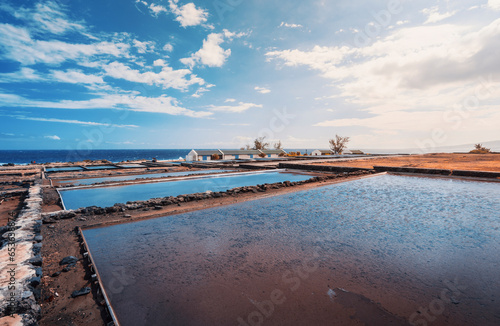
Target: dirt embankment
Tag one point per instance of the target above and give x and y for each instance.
(472, 162)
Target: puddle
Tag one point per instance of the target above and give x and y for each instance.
(378, 251)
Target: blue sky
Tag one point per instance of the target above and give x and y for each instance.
(88, 74)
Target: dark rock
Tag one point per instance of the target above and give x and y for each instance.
(67, 216)
(38, 238)
(39, 272)
(37, 247)
(158, 208)
(82, 291)
(34, 281)
(56, 274)
(36, 261)
(68, 260)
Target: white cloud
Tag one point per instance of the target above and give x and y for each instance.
(54, 137)
(494, 4)
(76, 77)
(168, 47)
(433, 15)
(23, 75)
(167, 78)
(188, 14)
(17, 45)
(163, 104)
(159, 63)
(144, 47)
(157, 9)
(48, 16)
(283, 24)
(77, 122)
(211, 54)
(241, 107)
(262, 90)
(409, 77)
(230, 100)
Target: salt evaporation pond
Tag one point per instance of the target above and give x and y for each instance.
(402, 249)
(64, 169)
(108, 196)
(79, 182)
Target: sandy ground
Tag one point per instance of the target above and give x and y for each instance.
(474, 162)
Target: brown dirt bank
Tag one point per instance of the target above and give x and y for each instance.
(60, 239)
(473, 162)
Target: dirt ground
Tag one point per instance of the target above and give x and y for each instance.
(474, 162)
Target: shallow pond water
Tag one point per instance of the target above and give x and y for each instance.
(79, 182)
(108, 196)
(386, 250)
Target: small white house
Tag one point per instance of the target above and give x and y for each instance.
(321, 152)
(203, 155)
(240, 154)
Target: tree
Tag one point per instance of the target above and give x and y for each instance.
(338, 144)
(278, 145)
(480, 149)
(259, 143)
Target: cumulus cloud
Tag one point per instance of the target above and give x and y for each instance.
(167, 78)
(211, 54)
(54, 137)
(240, 108)
(494, 4)
(262, 90)
(76, 77)
(144, 47)
(188, 14)
(168, 47)
(434, 16)
(410, 76)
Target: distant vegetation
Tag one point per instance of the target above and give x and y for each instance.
(480, 149)
(338, 144)
(260, 143)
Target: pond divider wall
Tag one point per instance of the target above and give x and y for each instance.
(22, 267)
(378, 169)
(100, 287)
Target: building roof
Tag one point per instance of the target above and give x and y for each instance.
(272, 151)
(204, 152)
(323, 151)
(356, 151)
(241, 152)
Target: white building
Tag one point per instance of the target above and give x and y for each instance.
(240, 154)
(203, 155)
(320, 152)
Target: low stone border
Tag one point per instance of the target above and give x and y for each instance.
(412, 170)
(477, 174)
(324, 168)
(21, 272)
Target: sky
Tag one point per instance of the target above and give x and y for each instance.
(94, 74)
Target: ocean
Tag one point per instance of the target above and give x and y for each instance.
(113, 155)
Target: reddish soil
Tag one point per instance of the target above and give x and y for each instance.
(474, 162)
